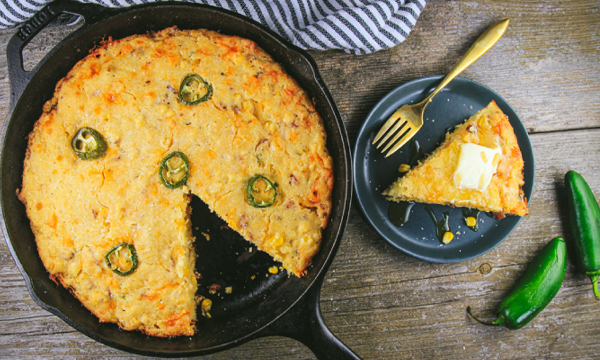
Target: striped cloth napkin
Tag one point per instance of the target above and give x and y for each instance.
(355, 26)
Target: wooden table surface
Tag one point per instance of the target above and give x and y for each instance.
(380, 302)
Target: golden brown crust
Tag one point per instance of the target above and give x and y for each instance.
(432, 180)
(258, 121)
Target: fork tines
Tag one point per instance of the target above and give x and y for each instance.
(394, 125)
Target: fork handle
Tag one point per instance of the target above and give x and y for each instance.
(479, 47)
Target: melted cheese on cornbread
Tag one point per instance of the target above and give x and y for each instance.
(258, 121)
(435, 180)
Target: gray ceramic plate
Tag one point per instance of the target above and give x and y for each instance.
(372, 173)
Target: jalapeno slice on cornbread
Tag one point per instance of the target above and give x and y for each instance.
(122, 259)
(261, 192)
(174, 170)
(194, 90)
(88, 144)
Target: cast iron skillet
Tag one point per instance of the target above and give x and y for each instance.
(273, 305)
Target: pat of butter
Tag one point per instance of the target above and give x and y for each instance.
(476, 166)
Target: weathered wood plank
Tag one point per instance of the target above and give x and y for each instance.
(545, 66)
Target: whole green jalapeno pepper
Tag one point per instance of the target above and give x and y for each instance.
(584, 217)
(536, 288)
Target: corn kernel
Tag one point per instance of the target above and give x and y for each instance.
(273, 270)
(269, 126)
(248, 106)
(404, 168)
(277, 240)
(162, 109)
(448, 236)
(471, 221)
(288, 118)
(303, 227)
(484, 157)
(307, 240)
(206, 306)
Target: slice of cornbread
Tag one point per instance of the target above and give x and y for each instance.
(479, 165)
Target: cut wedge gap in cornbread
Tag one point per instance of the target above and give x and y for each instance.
(478, 165)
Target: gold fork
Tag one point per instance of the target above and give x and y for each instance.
(408, 119)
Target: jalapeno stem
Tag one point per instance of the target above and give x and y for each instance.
(498, 322)
(594, 279)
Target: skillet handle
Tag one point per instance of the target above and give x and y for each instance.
(19, 78)
(304, 322)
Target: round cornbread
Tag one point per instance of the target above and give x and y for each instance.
(257, 121)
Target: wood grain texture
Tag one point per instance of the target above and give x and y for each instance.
(380, 302)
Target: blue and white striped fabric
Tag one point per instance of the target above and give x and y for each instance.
(355, 26)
